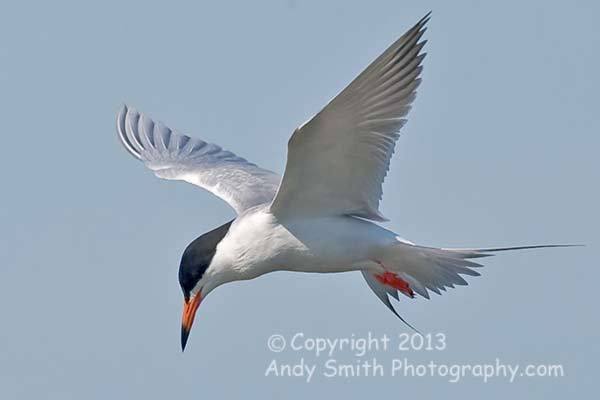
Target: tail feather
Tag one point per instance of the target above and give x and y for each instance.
(475, 253)
(431, 268)
(382, 291)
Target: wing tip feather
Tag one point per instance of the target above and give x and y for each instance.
(122, 119)
(425, 19)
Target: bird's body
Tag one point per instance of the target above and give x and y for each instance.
(258, 242)
(322, 215)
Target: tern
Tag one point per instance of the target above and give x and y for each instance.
(322, 215)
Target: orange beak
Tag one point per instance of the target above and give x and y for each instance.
(187, 320)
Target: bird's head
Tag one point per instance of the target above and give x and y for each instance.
(196, 275)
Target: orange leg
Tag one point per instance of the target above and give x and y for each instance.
(393, 280)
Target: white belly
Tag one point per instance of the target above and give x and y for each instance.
(258, 243)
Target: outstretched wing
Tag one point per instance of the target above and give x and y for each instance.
(338, 160)
(172, 155)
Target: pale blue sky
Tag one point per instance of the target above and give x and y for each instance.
(501, 148)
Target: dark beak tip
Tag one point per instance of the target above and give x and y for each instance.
(184, 338)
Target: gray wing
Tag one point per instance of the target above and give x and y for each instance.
(172, 155)
(337, 161)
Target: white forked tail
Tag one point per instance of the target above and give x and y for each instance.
(411, 269)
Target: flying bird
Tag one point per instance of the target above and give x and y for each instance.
(322, 215)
